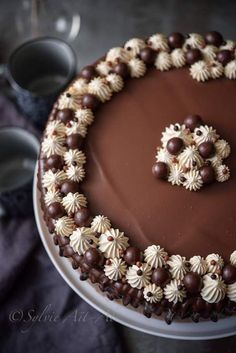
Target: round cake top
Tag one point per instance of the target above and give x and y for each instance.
(160, 170)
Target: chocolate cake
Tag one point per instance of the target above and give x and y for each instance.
(151, 219)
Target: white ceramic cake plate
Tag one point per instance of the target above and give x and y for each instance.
(127, 316)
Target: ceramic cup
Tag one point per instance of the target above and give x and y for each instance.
(19, 150)
(38, 71)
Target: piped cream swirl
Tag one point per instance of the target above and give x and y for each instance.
(111, 242)
(155, 256)
(64, 226)
(174, 291)
(214, 288)
(178, 266)
(139, 276)
(100, 224)
(116, 269)
(152, 293)
(82, 239)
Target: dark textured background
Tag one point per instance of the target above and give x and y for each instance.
(107, 23)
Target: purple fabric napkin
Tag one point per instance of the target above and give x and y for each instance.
(38, 310)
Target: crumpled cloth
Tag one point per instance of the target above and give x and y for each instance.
(39, 312)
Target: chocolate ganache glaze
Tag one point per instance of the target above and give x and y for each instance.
(121, 147)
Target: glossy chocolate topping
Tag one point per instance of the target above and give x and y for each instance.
(121, 147)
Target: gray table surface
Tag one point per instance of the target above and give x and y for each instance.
(107, 23)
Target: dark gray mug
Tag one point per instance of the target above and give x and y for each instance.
(38, 71)
(17, 163)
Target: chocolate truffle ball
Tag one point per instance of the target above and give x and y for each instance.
(69, 186)
(192, 121)
(92, 256)
(88, 72)
(122, 70)
(90, 101)
(74, 141)
(207, 173)
(193, 55)
(224, 56)
(54, 161)
(192, 282)
(132, 255)
(82, 217)
(56, 210)
(160, 170)
(229, 274)
(148, 55)
(175, 145)
(161, 276)
(207, 149)
(214, 38)
(65, 115)
(176, 40)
